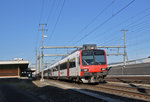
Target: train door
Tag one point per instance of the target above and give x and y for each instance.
(58, 71)
(48, 71)
(77, 65)
(68, 69)
(52, 72)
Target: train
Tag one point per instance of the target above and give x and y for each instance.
(87, 65)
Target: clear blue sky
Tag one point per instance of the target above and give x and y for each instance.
(97, 21)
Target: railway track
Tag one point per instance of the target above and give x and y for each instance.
(136, 93)
(121, 92)
(129, 79)
(130, 87)
(124, 91)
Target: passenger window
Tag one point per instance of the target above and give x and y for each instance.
(63, 66)
(72, 63)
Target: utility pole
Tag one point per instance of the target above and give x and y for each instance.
(42, 55)
(36, 62)
(124, 46)
(39, 64)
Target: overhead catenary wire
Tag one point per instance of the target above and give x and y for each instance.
(108, 19)
(118, 25)
(52, 13)
(139, 47)
(141, 28)
(118, 33)
(113, 39)
(115, 34)
(91, 22)
(137, 20)
(99, 14)
(51, 10)
(40, 18)
(118, 11)
(56, 10)
(138, 28)
(37, 34)
(42, 9)
(53, 30)
(139, 34)
(139, 24)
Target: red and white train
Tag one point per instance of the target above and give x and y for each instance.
(88, 65)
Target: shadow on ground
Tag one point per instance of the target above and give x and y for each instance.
(44, 93)
(48, 93)
(141, 90)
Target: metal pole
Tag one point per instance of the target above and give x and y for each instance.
(42, 79)
(39, 63)
(124, 46)
(42, 55)
(36, 62)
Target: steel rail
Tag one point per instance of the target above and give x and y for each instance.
(133, 88)
(124, 93)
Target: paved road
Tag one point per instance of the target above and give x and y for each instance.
(9, 93)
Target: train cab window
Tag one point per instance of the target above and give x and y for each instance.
(72, 63)
(99, 57)
(87, 57)
(93, 57)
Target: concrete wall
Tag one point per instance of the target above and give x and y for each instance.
(133, 69)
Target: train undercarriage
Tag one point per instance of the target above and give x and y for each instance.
(94, 77)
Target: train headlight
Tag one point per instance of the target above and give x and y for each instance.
(103, 69)
(84, 70)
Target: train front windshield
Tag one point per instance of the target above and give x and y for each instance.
(93, 57)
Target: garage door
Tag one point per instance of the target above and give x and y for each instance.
(8, 72)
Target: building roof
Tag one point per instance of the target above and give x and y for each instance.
(13, 62)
